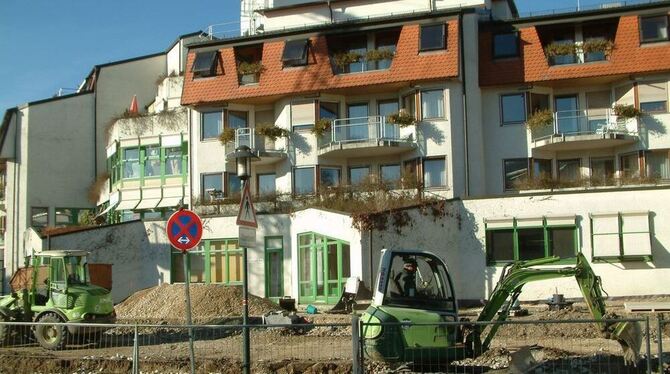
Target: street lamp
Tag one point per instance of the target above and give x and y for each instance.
(243, 156)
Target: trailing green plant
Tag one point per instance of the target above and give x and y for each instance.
(598, 45)
(379, 54)
(227, 136)
(245, 68)
(540, 119)
(95, 190)
(321, 126)
(172, 120)
(401, 118)
(271, 131)
(626, 111)
(560, 49)
(342, 59)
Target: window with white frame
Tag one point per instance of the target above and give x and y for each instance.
(212, 186)
(621, 236)
(513, 108)
(434, 173)
(131, 163)
(658, 164)
(39, 217)
(211, 124)
(653, 97)
(302, 114)
(432, 104)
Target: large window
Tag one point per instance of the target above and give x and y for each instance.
(214, 261)
(506, 45)
(622, 235)
(522, 239)
(658, 164)
(358, 174)
(212, 186)
(267, 184)
(513, 108)
(72, 216)
(329, 177)
(434, 173)
(569, 170)
(131, 163)
(211, 124)
(602, 171)
(516, 172)
(233, 185)
(630, 165)
(390, 173)
(39, 217)
(542, 169)
(432, 104)
(654, 28)
(324, 264)
(150, 161)
(653, 97)
(433, 37)
(173, 161)
(303, 181)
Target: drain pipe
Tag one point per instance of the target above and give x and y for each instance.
(465, 106)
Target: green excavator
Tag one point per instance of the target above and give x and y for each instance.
(414, 296)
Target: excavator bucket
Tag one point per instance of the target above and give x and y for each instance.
(629, 335)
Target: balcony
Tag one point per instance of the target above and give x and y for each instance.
(373, 135)
(576, 129)
(269, 151)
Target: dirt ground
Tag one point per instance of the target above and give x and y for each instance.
(555, 348)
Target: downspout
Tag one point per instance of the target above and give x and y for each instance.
(95, 124)
(190, 158)
(465, 106)
(372, 285)
(330, 10)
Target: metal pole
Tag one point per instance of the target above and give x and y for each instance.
(355, 342)
(648, 346)
(245, 305)
(136, 354)
(187, 293)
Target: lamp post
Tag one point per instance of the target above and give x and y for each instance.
(243, 155)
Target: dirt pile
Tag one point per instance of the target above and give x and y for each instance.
(166, 304)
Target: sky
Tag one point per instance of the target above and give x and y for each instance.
(46, 44)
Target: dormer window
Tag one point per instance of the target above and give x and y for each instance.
(295, 52)
(506, 45)
(249, 65)
(204, 64)
(433, 37)
(654, 28)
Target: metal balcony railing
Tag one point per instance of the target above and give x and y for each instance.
(359, 129)
(580, 122)
(245, 136)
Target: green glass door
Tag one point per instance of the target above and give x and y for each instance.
(324, 268)
(274, 268)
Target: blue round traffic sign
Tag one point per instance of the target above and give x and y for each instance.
(184, 230)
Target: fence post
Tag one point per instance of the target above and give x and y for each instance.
(660, 343)
(136, 353)
(646, 326)
(355, 342)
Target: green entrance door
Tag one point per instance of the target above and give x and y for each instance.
(324, 266)
(274, 267)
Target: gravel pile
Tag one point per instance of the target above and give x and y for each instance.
(166, 304)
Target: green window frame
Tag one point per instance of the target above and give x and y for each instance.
(619, 237)
(204, 260)
(152, 162)
(522, 239)
(314, 255)
(277, 250)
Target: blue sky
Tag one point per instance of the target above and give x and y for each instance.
(52, 44)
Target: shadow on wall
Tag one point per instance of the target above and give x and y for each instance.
(650, 126)
(429, 131)
(660, 254)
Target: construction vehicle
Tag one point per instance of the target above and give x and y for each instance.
(414, 296)
(55, 287)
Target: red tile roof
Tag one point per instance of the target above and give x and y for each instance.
(408, 66)
(627, 57)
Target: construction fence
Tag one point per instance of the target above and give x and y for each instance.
(539, 346)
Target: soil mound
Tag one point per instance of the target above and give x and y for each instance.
(166, 304)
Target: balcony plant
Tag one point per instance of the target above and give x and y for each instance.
(247, 68)
(271, 131)
(540, 120)
(342, 59)
(379, 54)
(321, 126)
(598, 45)
(626, 111)
(559, 49)
(227, 136)
(402, 119)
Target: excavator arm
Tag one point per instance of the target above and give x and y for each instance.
(516, 275)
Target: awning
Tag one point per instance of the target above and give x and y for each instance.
(148, 203)
(171, 140)
(170, 202)
(150, 140)
(110, 207)
(111, 150)
(127, 204)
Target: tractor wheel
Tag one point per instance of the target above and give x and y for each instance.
(51, 336)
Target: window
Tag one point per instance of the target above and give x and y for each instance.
(173, 161)
(390, 173)
(621, 235)
(386, 41)
(432, 104)
(129, 215)
(654, 29)
(506, 45)
(653, 97)
(409, 104)
(521, 239)
(212, 186)
(233, 185)
(358, 174)
(630, 165)
(329, 177)
(71, 216)
(303, 181)
(432, 37)
(595, 55)
(434, 173)
(204, 64)
(542, 169)
(212, 124)
(266, 184)
(274, 266)
(152, 161)
(566, 38)
(516, 172)
(329, 110)
(658, 164)
(152, 215)
(351, 44)
(385, 108)
(513, 108)
(131, 163)
(569, 170)
(295, 52)
(39, 217)
(602, 171)
(214, 261)
(302, 114)
(324, 264)
(237, 119)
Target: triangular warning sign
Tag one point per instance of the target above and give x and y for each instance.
(247, 214)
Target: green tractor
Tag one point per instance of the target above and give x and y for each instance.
(55, 287)
(414, 296)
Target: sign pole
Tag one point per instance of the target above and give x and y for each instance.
(189, 322)
(245, 320)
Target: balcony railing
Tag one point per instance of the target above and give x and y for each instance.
(361, 129)
(579, 122)
(247, 136)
